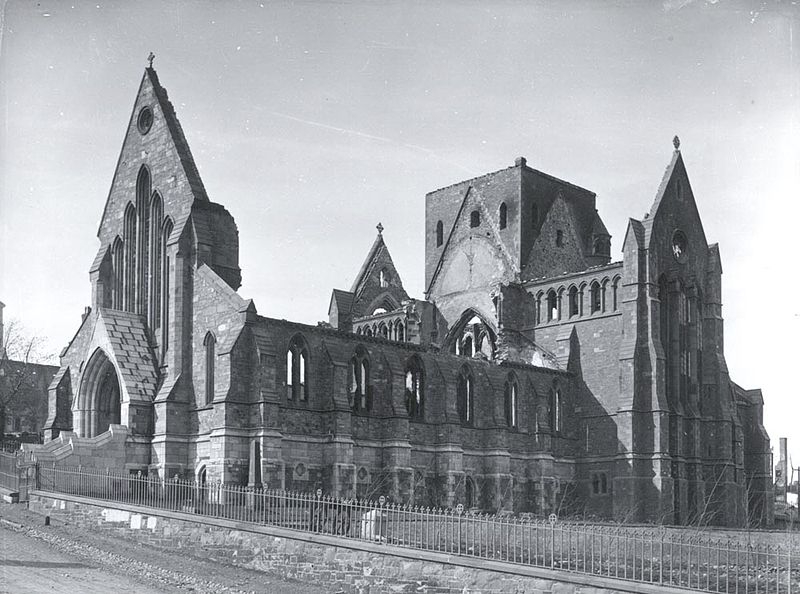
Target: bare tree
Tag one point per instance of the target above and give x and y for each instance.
(23, 380)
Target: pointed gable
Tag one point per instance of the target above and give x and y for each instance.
(674, 214)
(156, 142)
(377, 282)
(559, 248)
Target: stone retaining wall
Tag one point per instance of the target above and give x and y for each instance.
(347, 566)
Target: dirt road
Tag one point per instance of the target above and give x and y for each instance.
(63, 558)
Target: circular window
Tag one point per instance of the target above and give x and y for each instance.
(679, 246)
(145, 120)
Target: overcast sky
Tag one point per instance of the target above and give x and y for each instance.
(311, 122)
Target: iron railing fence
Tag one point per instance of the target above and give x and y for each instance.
(9, 471)
(669, 556)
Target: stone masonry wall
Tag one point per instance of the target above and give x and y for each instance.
(346, 566)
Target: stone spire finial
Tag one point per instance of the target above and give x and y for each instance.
(379, 227)
(150, 59)
(676, 142)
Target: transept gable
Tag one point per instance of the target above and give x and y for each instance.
(559, 248)
(156, 142)
(473, 251)
(673, 231)
(377, 280)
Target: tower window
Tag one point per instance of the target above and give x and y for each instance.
(559, 238)
(552, 306)
(573, 301)
(439, 234)
(384, 278)
(474, 218)
(210, 343)
(503, 215)
(597, 297)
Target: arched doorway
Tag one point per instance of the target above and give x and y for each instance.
(99, 398)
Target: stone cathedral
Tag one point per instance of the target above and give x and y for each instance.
(536, 375)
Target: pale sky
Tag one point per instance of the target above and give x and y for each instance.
(311, 122)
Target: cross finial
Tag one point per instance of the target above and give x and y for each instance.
(676, 142)
(379, 227)
(150, 59)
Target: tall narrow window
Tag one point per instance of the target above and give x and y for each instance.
(296, 370)
(165, 287)
(415, 398)
(534, 215)
(384, 278)
(465, 393)
(400, 332)
(596, 296)
(210, 343)
(156, 212)
(439, 234)
(552, 306)
(360, 390)
(474, 218)
(503, 215)
(129, 241)
(469, 493)
(573, 301)
(511, 402)
(143, 228)
(559, 238)
(556, 411)
(118, 263)
(614, 293)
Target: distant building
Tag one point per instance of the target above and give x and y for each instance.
(23, 393)
(537, 375)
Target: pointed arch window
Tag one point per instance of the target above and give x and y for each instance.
(465, 393)
(129, 241)
(511, 402)
(360, 389)
(415, 394)
(210, 344)
(383, 278)
(399, 331)
(596, 296)
(439, 234)
(573, 301)
(118, 263)
(503, 215)
(156, 255)
(556, 410)
(297, 370)
(552, 306)
(469, 492)
(142, 250)
(615, 293)
(165, 286)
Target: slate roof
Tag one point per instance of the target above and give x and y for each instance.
(343, 299)
(131, 349)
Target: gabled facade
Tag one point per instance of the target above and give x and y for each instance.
(536, 375)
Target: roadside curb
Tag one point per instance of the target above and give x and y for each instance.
(11, 524)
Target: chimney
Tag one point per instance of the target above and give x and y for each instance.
(783, 465)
